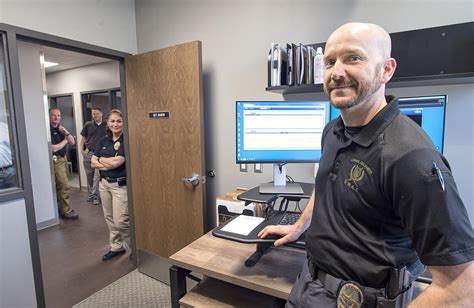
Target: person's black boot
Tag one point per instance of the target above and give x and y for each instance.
(112, 254)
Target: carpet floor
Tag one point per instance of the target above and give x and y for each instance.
(132, 290)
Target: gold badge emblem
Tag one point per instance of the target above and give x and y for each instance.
(350, 295)
(117, 146)
(357, 173)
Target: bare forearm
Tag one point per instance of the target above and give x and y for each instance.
(96, 164)
(112, 162)
(305, 218)
(67, 135)
(70, 139)
(82, 144)
(59, 146)
(453, 286)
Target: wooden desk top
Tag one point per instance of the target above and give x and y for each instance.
(222, 259)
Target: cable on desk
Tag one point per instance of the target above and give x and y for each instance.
(290, 179)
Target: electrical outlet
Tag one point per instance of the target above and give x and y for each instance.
(258, 168)
(243, 167)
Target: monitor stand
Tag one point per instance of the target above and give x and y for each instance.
(279, 185)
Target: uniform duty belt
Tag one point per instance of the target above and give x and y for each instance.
(352, 294)
(113, 180)
(56, 157)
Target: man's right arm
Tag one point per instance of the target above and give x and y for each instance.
(292, 232)
(59, 146)
(82, 144)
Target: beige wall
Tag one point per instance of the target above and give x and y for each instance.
(106, 23)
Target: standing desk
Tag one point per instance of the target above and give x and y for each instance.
(224, 260)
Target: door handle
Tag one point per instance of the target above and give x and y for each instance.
(193, 180)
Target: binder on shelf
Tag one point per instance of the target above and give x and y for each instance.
(278, 65)
(291, 50)
(311, 55)
(303, 64)
(298, 65)
(290, 64)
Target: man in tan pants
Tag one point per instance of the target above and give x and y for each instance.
(60, 137)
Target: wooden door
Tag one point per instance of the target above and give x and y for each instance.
(166, 137)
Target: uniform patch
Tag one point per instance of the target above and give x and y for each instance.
(358, 171)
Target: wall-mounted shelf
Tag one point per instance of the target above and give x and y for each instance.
(304, 88)
(394, 83)
(433, 56)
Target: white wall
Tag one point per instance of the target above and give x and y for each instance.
(236, 37)
(106, 23)
(89, 78)
(38, 134)
(17, 287)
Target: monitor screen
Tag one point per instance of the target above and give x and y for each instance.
(427, 111)
(279, 132)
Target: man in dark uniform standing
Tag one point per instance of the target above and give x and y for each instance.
(92, 132)
(385, 203)
(60, 137)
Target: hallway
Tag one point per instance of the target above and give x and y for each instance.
(71, 256)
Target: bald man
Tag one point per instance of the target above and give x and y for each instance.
(385, 203)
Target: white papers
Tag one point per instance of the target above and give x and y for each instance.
(243, 224)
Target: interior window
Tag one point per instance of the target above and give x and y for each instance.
(8, 165)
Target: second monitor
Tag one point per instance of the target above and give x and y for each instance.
(280, 132)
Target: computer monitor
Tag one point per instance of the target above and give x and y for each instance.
(280, 132)
(427, 111)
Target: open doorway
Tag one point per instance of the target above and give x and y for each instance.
(70, 250)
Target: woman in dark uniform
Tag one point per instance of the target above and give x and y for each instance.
(109, 158)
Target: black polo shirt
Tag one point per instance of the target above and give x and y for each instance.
(109, 148)
(379, 204)
(93, 133)
(57, 137)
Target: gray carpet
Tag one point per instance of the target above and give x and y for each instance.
(132, 290)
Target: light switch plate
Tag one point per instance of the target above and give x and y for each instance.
(243, 167)
(258, 168)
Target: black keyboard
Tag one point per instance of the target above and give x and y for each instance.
(289, 218)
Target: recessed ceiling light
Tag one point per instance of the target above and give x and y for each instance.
(49, 64)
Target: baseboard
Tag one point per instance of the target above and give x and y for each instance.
(47, 224)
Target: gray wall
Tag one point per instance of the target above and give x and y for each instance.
(17, 288)
(106, 23)
(236, 37)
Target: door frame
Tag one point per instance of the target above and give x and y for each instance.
(108, 91)
(12, 35)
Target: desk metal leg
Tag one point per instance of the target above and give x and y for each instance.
(262, 248)
(177, 284)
